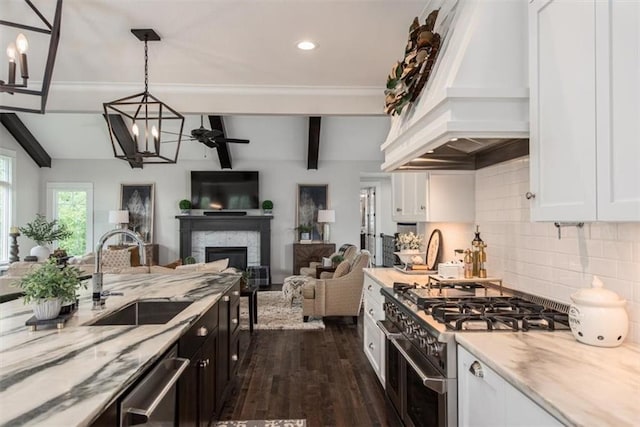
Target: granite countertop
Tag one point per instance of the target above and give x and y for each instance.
(69, 376)
(579, 384)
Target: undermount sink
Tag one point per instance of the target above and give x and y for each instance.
(143, 312)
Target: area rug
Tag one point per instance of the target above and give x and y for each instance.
(263, 423)
(275, 313)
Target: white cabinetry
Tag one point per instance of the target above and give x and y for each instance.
(374, 339)
(486, 399)
(585, 110)
(433, 196)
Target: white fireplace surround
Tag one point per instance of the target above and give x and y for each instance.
(249, 239)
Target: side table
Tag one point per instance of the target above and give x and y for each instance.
(252, 295)
(320, 269)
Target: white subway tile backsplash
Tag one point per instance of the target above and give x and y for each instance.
(529, 257)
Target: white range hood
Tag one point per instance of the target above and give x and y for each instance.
(478, 91)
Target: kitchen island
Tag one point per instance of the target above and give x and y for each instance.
(577, 384)
(69, 376)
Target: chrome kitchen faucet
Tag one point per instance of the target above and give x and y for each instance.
(98, 296)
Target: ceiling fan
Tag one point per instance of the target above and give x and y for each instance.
(213, 137)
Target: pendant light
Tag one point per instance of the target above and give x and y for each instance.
(136, 123)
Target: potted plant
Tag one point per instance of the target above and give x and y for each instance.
(267, 207)
(305, 231)
(44, 232)
(336, 259)
(189, 260)
(50, 286)
(185, 206)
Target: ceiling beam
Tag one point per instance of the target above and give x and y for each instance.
(124, 138)
(26, 139)
(224, 155)
(314, 142)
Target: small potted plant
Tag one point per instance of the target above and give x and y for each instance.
(305, 231)
(267, 207)
(50, 286)
(185, 206)
(189, 260)
(336, 259)
(44, 233)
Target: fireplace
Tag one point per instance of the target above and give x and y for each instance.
(237, 255)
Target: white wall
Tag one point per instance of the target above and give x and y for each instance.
(278, 150)
(530, 257)
(27, 197)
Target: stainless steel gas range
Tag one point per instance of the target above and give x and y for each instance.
(420, 324)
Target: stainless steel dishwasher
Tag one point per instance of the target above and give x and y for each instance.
(153, 401)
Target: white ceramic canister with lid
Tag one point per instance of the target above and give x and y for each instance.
(598, 316)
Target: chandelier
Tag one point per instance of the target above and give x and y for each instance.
(23, 97)
(136, 123)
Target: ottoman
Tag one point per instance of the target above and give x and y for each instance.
(292, 287)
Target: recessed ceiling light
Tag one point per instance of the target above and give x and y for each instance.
(306, 45)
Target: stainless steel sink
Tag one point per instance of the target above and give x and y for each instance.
(143, 312)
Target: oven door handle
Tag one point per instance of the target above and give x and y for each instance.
(389, 335)
(437, 384)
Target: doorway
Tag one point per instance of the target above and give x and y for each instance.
(368, 221)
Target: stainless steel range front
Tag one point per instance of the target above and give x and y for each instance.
(421, 380)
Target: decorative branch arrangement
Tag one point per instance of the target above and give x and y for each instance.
(408, 77)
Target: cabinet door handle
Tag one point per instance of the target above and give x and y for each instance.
(371, 311)
(421, 208)
(234, 321)
(226, 298)
(398, 210)
(529, 195)
(202, 331)
(369, 287)
(476, 369)
(234, 357)
(371, 345)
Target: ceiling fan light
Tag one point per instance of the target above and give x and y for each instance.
(306, 45)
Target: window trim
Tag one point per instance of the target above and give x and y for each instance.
(11, 154)
(73, 186)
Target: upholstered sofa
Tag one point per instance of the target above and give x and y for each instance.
(338, 296)
(347, 251)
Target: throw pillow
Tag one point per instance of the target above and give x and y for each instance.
(342, 269)
(174, 264)
(215, 266)
(119, 258)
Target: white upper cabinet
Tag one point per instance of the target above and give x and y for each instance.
(585, 91)
(442, 196)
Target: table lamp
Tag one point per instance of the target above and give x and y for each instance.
(326, 217)
(120, 218)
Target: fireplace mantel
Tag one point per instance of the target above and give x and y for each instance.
(259, 223)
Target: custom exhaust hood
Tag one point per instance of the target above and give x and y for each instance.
(474, 110)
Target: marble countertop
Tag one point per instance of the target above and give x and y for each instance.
(69, 376)
(579, 384)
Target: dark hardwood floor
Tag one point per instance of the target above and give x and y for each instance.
(322, 376)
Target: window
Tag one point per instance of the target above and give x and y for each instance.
(7, 195)
(72, 205)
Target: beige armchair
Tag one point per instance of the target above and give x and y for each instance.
(339, 296)
(348, 251)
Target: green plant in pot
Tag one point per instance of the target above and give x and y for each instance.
(305, 231)
(185, 206)
(267, 207)
(49, 287)
(189, 260)
(44, 233)
(336, 259)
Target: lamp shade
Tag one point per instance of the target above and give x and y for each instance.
(118, 217)
(326, 216)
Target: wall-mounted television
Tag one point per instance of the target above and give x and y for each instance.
(215, 190)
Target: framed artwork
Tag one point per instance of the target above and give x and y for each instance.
(138, 200)
(311, 198)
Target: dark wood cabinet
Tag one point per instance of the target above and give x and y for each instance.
(304, 253)
(228, 333)
(197, 386)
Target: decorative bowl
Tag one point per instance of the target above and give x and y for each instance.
(411, 257)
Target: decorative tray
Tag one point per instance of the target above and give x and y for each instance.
(409, 270)
(65, 314)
